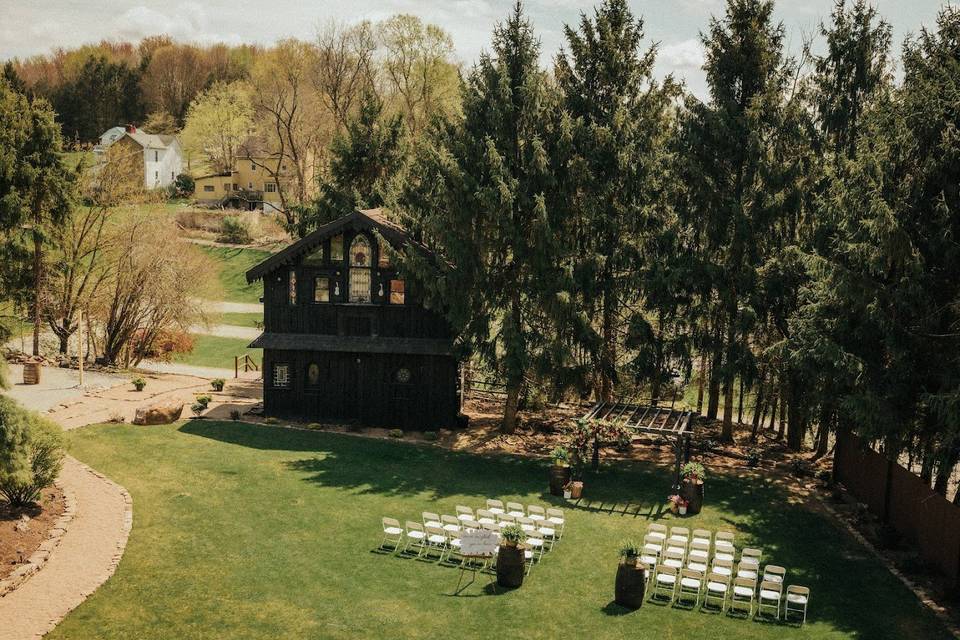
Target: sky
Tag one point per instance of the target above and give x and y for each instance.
(29, 27)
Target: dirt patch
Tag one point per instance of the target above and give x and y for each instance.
(19, 538)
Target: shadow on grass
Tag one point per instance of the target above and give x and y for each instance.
(614, 609)
(759, 509)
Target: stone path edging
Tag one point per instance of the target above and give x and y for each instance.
(39, 557)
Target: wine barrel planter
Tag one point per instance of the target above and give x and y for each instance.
(631, 584)
(559, 477)
(31, 373)
(510, 567)
(576, 490)
(692, 492)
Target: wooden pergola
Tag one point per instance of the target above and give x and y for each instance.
(674, 425)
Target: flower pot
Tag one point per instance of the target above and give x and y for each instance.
(510, 567)
(682, 509)
(692, 492)
(630, 584)
(559, 478)
(576, 489)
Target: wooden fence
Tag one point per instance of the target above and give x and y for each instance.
(899, 498)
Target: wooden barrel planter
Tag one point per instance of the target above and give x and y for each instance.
(559, 477)
(692, 492)
(576, 489)
(31, 373)
(631, 584)
(510, 567)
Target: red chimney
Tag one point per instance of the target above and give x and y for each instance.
(131, 128)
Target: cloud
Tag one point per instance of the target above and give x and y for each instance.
(188, 22)
(686, 55)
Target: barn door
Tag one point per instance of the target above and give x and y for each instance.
(353, 387)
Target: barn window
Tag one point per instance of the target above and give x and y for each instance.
(384, 259)
(396, 292)
(360, 262)
(336, 248)
(281, 375)
(313, 374)
(293, 287)
(321, 289)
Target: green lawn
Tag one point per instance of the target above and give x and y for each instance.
(214, 351)
(246, 531)
(234, 264)
(242, 319)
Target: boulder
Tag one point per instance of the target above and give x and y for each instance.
(158, 414)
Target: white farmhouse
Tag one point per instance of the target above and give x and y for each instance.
(160, 154)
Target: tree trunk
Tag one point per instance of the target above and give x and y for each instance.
(514, 377)
(945, 469)
(510, 409)
(37, 282)
(823, 434)
(608, 350)
(701, 382)
(797, 422)
(726, 433)
(758, 412)
(740, 403)
(713, 392)
(774, 403)
(782, 424)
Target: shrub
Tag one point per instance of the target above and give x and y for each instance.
(198, 408)
(314, 426)
(164, 345)
(560, 457)
(271, 420)
(217, 384)
(203, 400)
(630, 548)
(233, 230)
(235, 414)
(430, 436)
(183, 186)
(512, 535)
(31, 453)
(396, 433)
(693, 471)
(139, 383)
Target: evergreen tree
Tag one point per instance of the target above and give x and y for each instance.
(103, 95)
(479, 196)
(613, 186)
(367, 166)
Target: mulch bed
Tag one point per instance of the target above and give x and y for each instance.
(16, 544)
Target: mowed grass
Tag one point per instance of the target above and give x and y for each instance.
(214, 351)
(249, 531)
(233, 264)
(242, 319)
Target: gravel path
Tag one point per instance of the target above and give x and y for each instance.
(87, 555)
(58, 386)
(227, 331)
(219, 306)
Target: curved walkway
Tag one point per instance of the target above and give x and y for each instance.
(87, 555)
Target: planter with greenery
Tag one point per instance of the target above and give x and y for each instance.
(630, 585)
(691, 486)
(559, 470)
(138, 383)
(217, 384)
(510, 557)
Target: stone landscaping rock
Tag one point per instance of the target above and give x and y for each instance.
(158, 414)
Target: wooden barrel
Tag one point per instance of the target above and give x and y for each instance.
(510, 567)
(631, 584)
(31, 373)
(692, 492)
(576, 490)
(559, 477)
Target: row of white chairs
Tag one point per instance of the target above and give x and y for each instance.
(499, 511)
(739, 594)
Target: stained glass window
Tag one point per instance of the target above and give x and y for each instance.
(396, 292)
(321, 289)
(281, 375)
(360, 260)
(336, 248)
(293, 287)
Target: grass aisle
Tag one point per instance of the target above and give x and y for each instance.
(234, 264)
(245, 531)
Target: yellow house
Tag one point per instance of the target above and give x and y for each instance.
(252, 184)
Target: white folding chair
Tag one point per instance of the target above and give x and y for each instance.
(467, 523)
(699, 556)
(657, 530)
(436, 539)
(527, 524)
(751, 556)
(723, 567)
(691, 584)
(796, 601)
(771, 593)
(515, 509)
(450, 524)
(665, 582)
(774, 573)
(700, 535)
(548, 532)
(679, 538)
(742, 596)
(465, 513)
(416, 536)
(717, 588)
(537, 513)
(453, 546)
(392, 532)
(485, 516)
(556, 519)
(723, 548)
(496, 506)
(534, 544)
(673, 559)
(747, 570)
(505, 519)
(431, 519)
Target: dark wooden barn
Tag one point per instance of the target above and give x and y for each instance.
(346, 338)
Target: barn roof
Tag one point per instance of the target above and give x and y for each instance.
(395, 234)
(352, 344)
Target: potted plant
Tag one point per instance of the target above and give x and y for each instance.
(200, 405)
(691, 486)
(138, 383)
(217, 384)
(631, 576)
(678, 504)
(510, 557)
(559, 470)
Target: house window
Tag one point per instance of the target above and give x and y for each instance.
(250, 186)
(156, 176)
(293, 287)
(281, 375)
(253, 166)
(270, 187)
(226, 186)
(313, 374)
(360, 269)
(236, 187)
(336, 249)
(321, 289)
(208, 187)
(396, 292)
(172, 177)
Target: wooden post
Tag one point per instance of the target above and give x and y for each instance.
(236, 366)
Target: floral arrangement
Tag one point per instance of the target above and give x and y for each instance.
(677, 501)
(693, 471)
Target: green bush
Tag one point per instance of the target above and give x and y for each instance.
(31, 453)
(139, 383)
(271, 420)
(512, 535)
(315, 426)
(233, 230)
(204, 400)
(430, 436)
(183, 186)
(396, 433)
(235, 414)
(217, 384)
